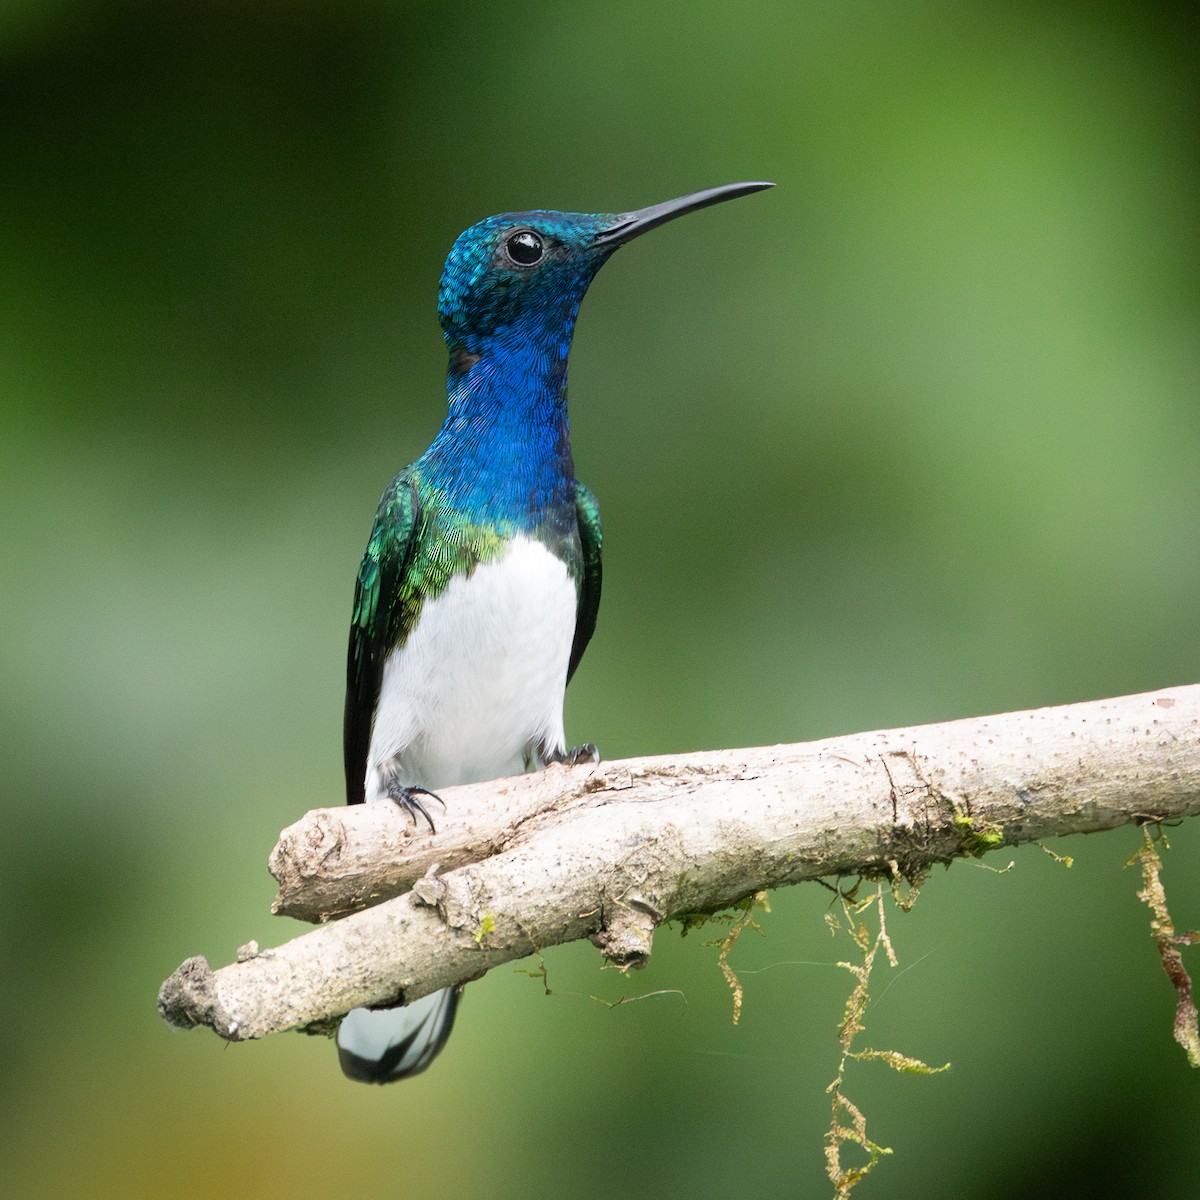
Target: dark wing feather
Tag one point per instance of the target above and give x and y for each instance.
(372, 627)
(587, 512)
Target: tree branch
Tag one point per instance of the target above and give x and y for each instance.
(611, 851)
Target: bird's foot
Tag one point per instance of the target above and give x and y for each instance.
(407, 799)
(588, 752)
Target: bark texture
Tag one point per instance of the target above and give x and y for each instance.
(610, 851)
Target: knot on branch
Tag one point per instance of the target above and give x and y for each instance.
(628, 933)
(431, 891)
(307, 850)
(189, 998)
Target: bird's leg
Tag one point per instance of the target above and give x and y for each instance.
(405, 797)
(588, 752)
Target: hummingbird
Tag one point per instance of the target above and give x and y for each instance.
(480, 585)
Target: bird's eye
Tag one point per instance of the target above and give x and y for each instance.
(524, 247)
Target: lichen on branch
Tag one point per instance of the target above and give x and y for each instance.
(1162, 930)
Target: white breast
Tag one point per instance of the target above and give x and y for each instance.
(480, 679)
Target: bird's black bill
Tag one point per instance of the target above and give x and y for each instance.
(630, 225)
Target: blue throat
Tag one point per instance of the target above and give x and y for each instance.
(503, 456)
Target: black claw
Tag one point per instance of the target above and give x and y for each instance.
(588, 752)
(406, 798)
(573, 757)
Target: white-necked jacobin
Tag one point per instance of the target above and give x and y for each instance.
(479, 588)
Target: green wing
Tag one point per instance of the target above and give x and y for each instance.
(373, 627)
(587, 512)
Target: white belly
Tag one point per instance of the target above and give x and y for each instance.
(480, 680)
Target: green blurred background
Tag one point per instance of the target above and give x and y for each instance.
(912, 437)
